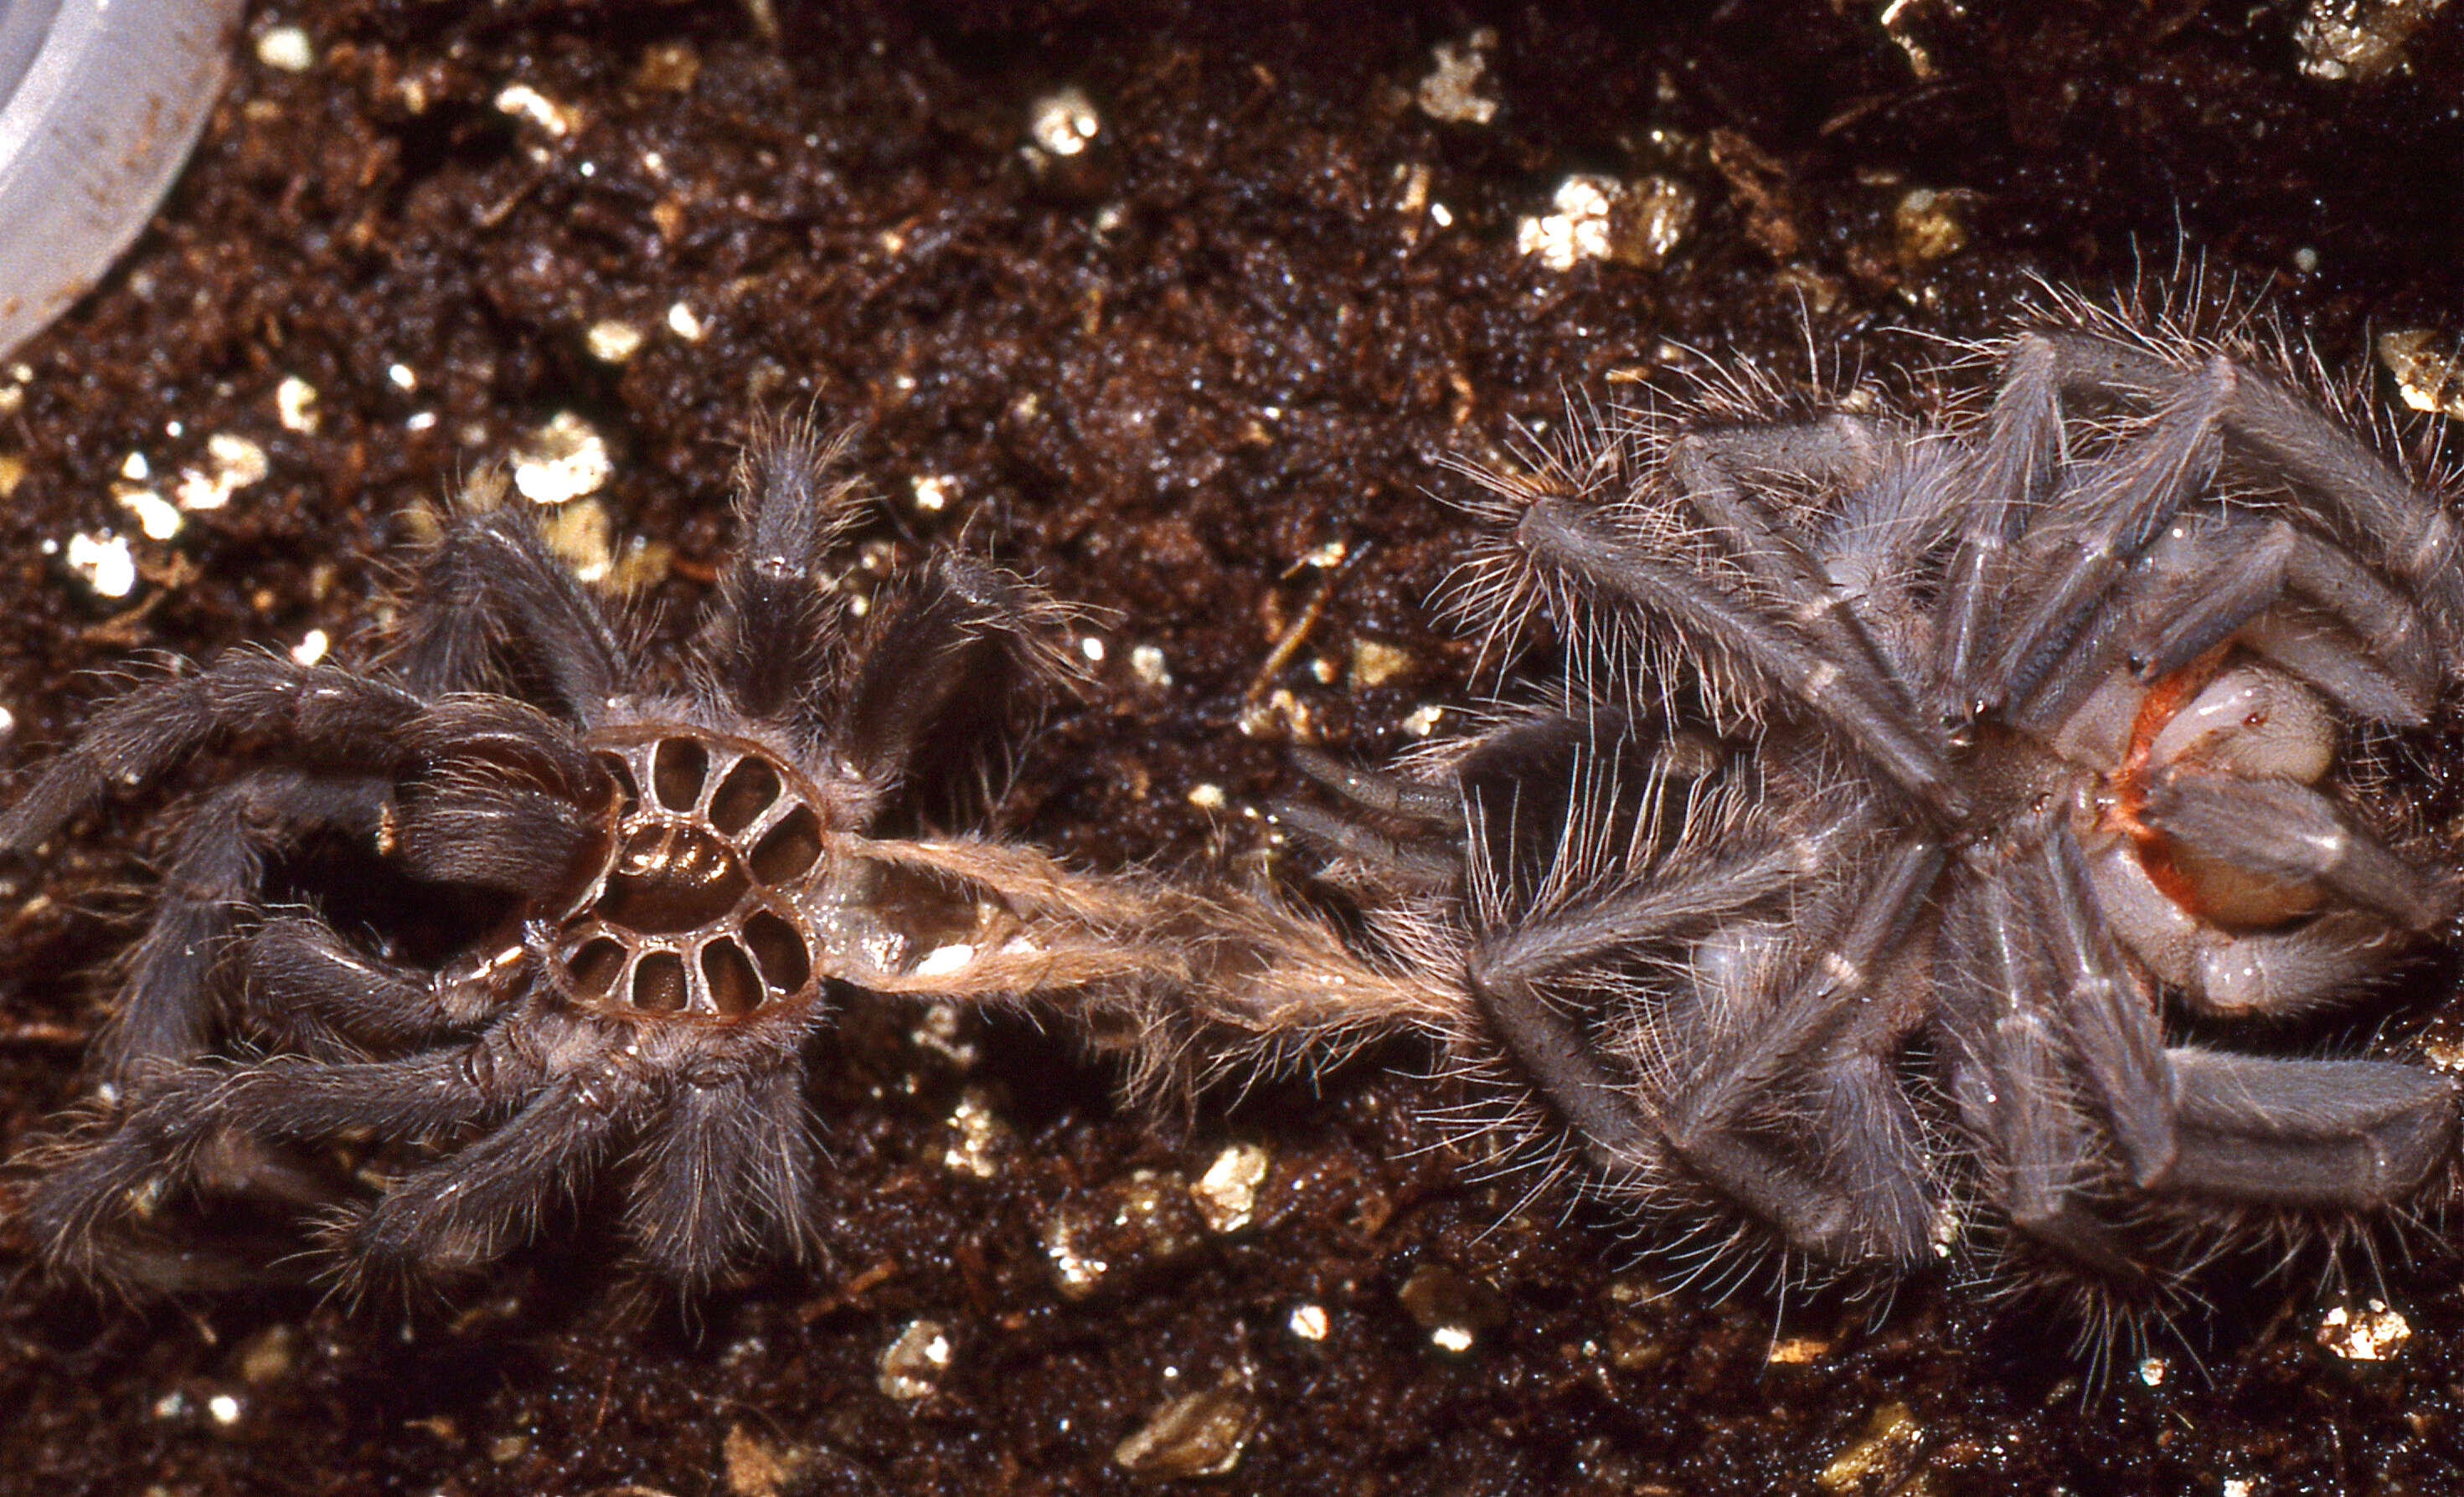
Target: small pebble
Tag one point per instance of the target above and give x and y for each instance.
(611, 340)
(1198, 1434)
(1881, 1456)
(1228, 1193)
(2371, 1335)
(1063, 122)
(2429, 369)
(562, 460)
(1145, 1220)
(1453, 1307)
(1456, 87)
(294, 406)
(912, 1366)
(286, 48)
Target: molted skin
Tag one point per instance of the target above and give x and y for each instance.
(685, 885)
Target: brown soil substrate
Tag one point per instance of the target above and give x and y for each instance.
(1160, 374)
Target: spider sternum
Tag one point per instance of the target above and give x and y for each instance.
(2012, 782)
(668, 878)
(696, 908)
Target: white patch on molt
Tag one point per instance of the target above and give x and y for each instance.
(945, 961)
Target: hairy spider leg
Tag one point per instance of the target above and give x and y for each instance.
(1437, 806)
(1430, 863)
(2230, 571)
(473, 828)
(2200, 586)
(2213, 577)
(728, 1172)
(2245, 1129)
(2009, 1077)
(167, 1012)
(2007, 476)
(2323, 964)
(2085, 665)
(1875, 1146)
(556, 1103)
(1423, 865)
(1874, 546)
(1557, 536)
(1711, 1115)
(341, 1001)
(941, 650)
(93, 1180)
(2292, 833)
(562, 1091)
(787, 624)
(350, 718)
(2114, 515)
(1510, 961)
(488, 598)
(2353, 487)
(1702, 463)
(2333, 1135)
(938, 659)
(2105, 1018)
(725, 1164)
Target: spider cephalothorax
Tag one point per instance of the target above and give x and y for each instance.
(664, 872)
(1928, 801)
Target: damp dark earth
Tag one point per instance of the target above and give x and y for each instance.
(1179, 309)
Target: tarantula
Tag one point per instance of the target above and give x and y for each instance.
(675, 868)
(1928, 807)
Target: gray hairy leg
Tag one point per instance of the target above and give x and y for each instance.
(488, 595)
(1559, 536)
(338, 1001)
(2352, 1134)
(2229, 572)
(2290, 833)
(1598, 1101)
(1756, 1054)
(482, 1201)
(2008, 477)
(2010, 1082)
(2131, 495)
(2291, 440)
(726, 1172)
(349, 718)
(1704, 463)
(94, 1180)
(170, 1004)
(2106, 1021)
